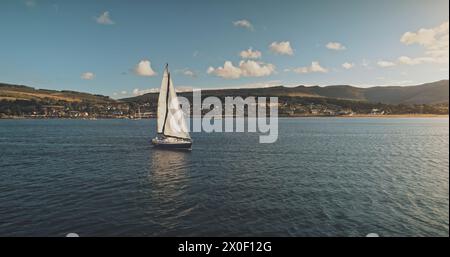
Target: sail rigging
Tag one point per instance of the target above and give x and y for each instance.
(171, 121)
(162, 102)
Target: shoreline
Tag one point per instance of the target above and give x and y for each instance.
(284, 117)
(396, 116)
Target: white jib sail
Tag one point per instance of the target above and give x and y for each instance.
(162, 102)
(175, 125)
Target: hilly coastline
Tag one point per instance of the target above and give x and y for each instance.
(430, 98)
(429, 93)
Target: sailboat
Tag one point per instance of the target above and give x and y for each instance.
(172, 131)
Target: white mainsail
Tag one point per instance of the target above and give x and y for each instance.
(171, 120)
(162, 105)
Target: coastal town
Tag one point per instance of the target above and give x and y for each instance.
(18, 101)
(126, 110)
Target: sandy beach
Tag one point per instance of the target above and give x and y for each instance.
(397, 116)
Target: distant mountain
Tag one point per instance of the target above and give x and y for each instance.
(28, 102)
(429, 93)
(19, 92)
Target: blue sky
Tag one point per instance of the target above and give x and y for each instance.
(116, 48)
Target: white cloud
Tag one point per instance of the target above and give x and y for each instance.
(250, 54)
(422, 37)
(228, 71)
(244, 24)
(178, 89)
(88, 76)
(138, 91)
(347, 65)
(301, 70)
(335, 46)
(283, 48)
(104, 19)
(385, 64)
(391, 82)
(315, 67)
(256, 69)
(144, 68)
(407, 61)
(413, 61)
(434, 40)
(189, 73)
(262, 84)
(246, 68)
(265, 84)
(124, 92)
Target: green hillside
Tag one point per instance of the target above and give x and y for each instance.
(430, 93)
(19, 92)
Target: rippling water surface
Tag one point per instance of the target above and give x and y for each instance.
(323, 177)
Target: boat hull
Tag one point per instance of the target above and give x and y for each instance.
(171, 145)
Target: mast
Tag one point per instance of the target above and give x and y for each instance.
(162, 102)
(167, 97)
(171, 121)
